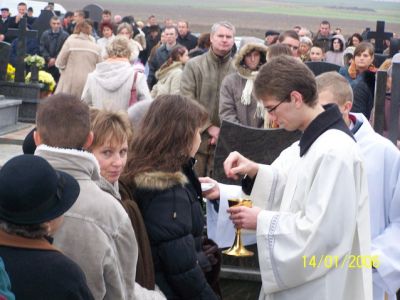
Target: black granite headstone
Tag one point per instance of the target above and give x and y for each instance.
(379, 36)
(258, 144)
(319, 67)
(5, 49)
(94, 12)
(42, 23)
(22, 33)
(394, 104)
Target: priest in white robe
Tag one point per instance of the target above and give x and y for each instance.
(314, 196)
(382, 164)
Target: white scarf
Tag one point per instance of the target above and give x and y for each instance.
(247, 93)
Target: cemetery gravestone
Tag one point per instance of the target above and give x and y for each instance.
(29, 93)
(42, 23)
(379, 36)
(379, 101)
(5, 49)
(258, 144)
(22, 33)
(394, 105)
(319, 67)
(95, 12)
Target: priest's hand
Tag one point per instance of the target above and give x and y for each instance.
(244, 217)
(236, 164)
(213, 193)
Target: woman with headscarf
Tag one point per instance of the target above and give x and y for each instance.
(237, 103)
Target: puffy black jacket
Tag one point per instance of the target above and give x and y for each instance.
(174, 221)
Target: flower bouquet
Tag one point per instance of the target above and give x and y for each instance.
(35, 60)
(47, 80)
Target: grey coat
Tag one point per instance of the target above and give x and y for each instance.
(97, 232)
(230, 106)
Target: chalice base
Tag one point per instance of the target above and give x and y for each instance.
(238, 249)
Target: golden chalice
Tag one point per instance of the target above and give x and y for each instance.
(237, 248)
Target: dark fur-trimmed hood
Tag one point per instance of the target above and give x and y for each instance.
(247, 48)
(159, 180)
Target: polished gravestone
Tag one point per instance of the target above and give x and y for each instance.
(258, 144)
(22, 34)
(379, 36)
(28, 93)
(319, 67)
(42, 23)
(94, 12)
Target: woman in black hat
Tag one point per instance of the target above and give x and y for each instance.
(33, 198)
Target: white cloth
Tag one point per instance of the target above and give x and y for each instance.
(323, 211)
(382, 164)
(219, 227)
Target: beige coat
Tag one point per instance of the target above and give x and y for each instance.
(78, 57)
(169, 80)
(96, 233)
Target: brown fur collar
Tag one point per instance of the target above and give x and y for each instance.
(242, 53)
(159, 180)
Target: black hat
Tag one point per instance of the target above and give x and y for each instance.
(4, 9)
(271, 32)
(32, 192)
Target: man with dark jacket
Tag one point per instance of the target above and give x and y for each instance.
(201, 81)
(51, 43)
(162, 53)
(185, 38)
(324, 36)
(22, 12)
(5, 18)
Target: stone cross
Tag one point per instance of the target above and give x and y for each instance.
(380, 36)
(22, 33)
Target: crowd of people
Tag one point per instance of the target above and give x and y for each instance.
(110, 206)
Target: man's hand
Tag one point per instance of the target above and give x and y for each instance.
(236, 163)
(1, 37)
(18, 18)
(244, 217)
(212, 194)
(51, 62)
(213, 131)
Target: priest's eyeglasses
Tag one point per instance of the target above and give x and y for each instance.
(272, 109)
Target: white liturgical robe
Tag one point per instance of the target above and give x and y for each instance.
(323, 214)
(382, 165)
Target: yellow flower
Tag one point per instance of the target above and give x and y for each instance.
(44, 77)
(10, 72)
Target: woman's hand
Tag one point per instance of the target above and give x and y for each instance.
(212, 194)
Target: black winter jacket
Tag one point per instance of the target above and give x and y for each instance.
(174, 221)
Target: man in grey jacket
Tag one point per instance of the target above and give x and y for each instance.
(201, 81)
(97, 232)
